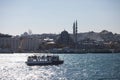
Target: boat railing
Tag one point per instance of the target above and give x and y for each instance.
(43, 58)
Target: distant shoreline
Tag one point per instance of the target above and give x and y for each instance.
(63, 53)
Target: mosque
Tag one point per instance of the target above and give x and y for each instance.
(65, 40)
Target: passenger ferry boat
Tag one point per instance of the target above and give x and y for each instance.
(43, 60)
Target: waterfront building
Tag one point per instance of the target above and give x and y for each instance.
(8, 44)
(29, 44)
(19, 44)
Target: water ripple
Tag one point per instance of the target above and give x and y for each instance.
(75, 67)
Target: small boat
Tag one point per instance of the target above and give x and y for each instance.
(43, 60)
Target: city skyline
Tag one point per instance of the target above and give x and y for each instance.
(51, 16)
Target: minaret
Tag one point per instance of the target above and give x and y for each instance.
(75, 30)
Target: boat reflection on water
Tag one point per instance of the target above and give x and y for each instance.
(43, 60)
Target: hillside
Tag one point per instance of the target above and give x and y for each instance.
(101, 36)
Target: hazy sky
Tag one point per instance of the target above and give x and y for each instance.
(53, 16)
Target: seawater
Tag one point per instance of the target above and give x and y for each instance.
(75, 67)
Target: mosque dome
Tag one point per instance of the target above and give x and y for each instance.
(65, 38)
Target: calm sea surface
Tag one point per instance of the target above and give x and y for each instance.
(75, 67)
